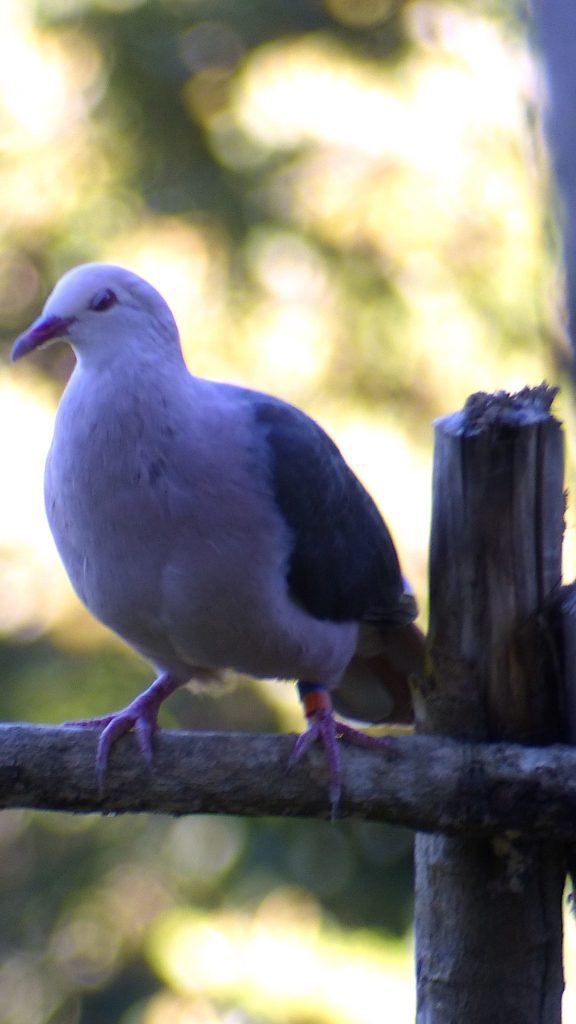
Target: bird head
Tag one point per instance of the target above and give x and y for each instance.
(103, 311)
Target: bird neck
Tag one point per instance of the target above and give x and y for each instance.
(127, 359)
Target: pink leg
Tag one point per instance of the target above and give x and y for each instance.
(141, 715)
(323, 727)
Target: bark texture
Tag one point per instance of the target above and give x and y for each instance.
(488, 912)
(423, 782)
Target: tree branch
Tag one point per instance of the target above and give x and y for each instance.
(423, 782)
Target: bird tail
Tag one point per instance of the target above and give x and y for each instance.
(376, 685)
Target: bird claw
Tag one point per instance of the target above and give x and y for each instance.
(325, 729)
(141, 716)
(138, 716)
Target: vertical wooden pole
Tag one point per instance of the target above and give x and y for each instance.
(488, 913)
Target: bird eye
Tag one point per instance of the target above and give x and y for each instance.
(103, 300)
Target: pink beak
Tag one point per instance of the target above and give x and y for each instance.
(41, 331)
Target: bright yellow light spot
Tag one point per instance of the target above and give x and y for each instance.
(287, 347)
(310, 90)
(33, 588)
(287, 337)
(43, 84)
(32, 86)
(287, 266)
(184, 261)
(297, 92)
(49, 83)
(284, 963)
(397, 475)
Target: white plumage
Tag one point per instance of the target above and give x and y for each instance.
(213, 527)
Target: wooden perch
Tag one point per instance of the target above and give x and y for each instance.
(424, 782)
(488, 913)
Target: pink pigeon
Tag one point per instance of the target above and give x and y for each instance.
(214, 527)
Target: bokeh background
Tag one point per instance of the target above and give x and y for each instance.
(346, 203)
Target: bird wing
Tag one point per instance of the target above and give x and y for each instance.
(343, 565)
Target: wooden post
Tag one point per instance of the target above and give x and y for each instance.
(488, 912)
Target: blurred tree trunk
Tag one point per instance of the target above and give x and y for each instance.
(555, 34)
(489, 912)
(555, 37)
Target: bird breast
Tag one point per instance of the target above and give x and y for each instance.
(162, 513)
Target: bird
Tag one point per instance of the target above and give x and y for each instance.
(214, 527)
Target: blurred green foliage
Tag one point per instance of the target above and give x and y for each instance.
(341, 200)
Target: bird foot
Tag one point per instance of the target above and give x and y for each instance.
(141, 715)
(322, 728)
(325, 729)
